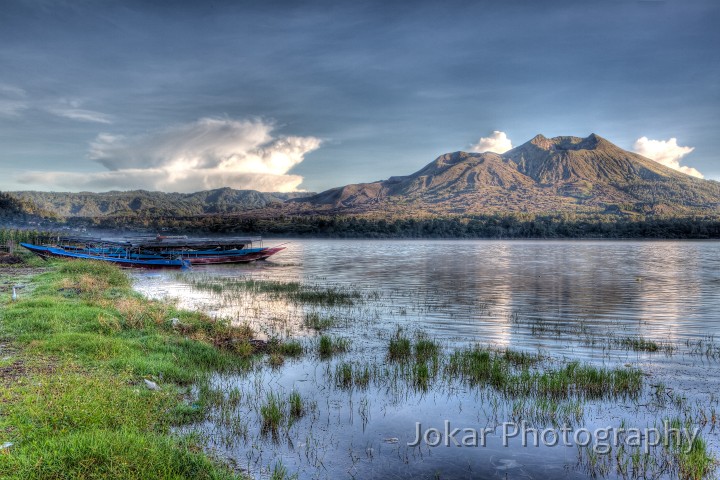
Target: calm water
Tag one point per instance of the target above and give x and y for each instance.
(560, 297)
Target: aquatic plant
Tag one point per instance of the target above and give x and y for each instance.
(480, 366)
(426, 349)
(400, 348)
(328, 346)
(297, 407)
(272, 412)
(318, 322)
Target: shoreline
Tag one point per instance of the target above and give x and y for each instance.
(90, 392)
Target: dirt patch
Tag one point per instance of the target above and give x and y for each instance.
(10, 259)
(13, 367)
(12, 372)
(18, 269)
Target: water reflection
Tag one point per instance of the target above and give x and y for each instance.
(471, 289)
(524, 295)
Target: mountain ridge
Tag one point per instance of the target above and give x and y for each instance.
(99, 204)
(565, 174)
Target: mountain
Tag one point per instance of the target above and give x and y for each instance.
(546, 187)
(15, 210)
(543, 175)
(141, 202)
(10, 207)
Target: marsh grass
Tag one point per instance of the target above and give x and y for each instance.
(272, 412)
(318, 322)
(642, 344)
(399, 348)
(421, 376)
(692, 460)
(276, 360)
(280, 472)
(501, 371)
(292, 291)
(426, 349)
(297, 406)
(348, 375)
(329, 346)
(675, 457)
(290, 348)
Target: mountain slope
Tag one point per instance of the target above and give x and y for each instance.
(141, 202)
(13, 209)
(566, 174)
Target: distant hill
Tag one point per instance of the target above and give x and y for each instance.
(544, 175)
(17, 209)
(153, 204)
(567, 187)
(10, 207)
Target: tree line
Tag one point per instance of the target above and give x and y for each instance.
(483, 226)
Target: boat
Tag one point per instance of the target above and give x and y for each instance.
(201, 251)
(124, 262)
(198, 251)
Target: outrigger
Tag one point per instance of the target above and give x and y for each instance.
(158, 251)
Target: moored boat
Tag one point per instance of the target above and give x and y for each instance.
(156, 248)
(125, 262)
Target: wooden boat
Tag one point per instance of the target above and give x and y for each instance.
(247, 256)
(57, 252)
(195, 251)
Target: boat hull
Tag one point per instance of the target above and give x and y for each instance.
(52, 252)
(224, 259)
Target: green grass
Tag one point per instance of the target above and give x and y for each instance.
(80, 408)
(290, 348)
(510, 374)
(297, 406)
(106, 454)
(318, 322)
(278, 350)
(639, 344)
(399, 348)
(280, 472)
(123, 332)
(421, 376)
(328, 346)
(348, 375)
(426, 349)
(692, 460)
(272, 412)
(292, 291)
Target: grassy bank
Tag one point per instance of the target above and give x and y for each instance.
(93, 377)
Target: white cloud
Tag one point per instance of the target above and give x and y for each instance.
(81, 115)
(12, 91)
(497, 142)
(666, 152)
(206, 154)
(11, 108)
(12, 100)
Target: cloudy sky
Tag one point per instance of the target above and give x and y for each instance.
(101, 95)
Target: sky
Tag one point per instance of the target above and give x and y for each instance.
(280, 96)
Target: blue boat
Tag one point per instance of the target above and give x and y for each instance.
(125, 262)
(198, 251)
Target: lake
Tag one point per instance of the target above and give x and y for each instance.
(564, 301)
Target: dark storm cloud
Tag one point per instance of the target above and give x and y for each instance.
(386, 85)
